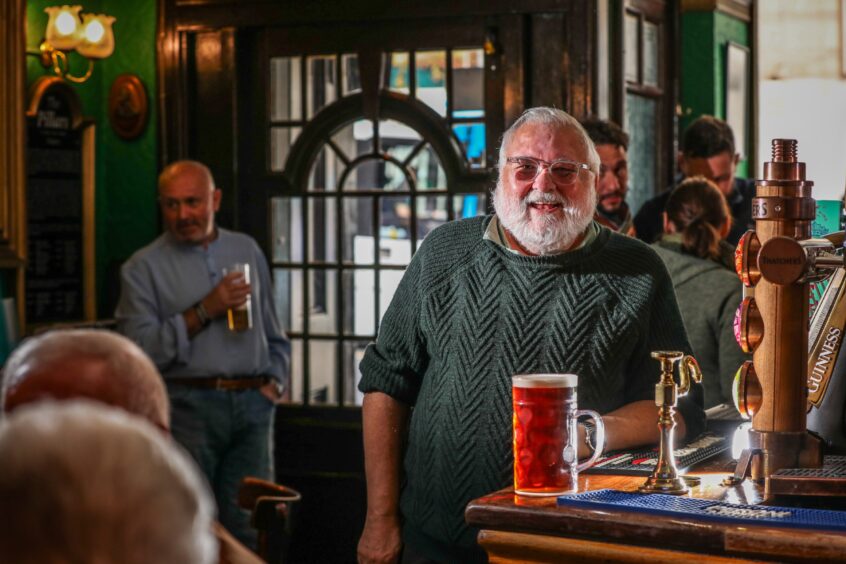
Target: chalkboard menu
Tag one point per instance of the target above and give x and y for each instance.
(55, 273)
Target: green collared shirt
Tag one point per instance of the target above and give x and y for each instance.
(496, 233)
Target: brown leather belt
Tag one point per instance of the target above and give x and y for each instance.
(228, 384)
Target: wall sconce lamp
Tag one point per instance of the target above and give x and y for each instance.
(90, 35)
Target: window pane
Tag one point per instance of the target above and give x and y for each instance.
(349, 74)
(641, 123)
(358, 230)
(355, 139)
(285, 89)
(468, 91)
(353, 353)
(395, 223)
(325, 171)
(427, 169)
(281, 139)
(397, 139)
(650, 54)
(296, 382)
(288, 296)
(430, 72)
(359, 313)
(631, 32)
(322, 370)
(431, 212)
(323, 294)
(375, 174)
(397, 69)
(389, 281)
(287, 225)
(321, 83)
(322, 235)
(472, 139)
(469, 205)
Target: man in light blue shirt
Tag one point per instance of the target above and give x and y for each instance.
(222, 384)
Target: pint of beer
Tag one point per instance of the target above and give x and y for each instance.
(545, 434)
(240, 318)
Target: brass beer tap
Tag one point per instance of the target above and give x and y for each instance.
(665, 478)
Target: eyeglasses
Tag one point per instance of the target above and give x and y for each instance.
(562, 171)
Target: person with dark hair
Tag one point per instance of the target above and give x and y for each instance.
(611, 143)
(696, 221)
(707, 150)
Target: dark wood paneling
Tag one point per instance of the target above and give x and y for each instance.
(548, 61)
(212, 122)
(219, 13)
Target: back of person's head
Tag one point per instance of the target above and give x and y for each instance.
(698, 210)
(706, 137)
(551, 117)
(605, 132)
(84, 482)
(95, 364)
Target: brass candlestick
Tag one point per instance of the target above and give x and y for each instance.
(665, 478)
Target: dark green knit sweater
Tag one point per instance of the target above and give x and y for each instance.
(467, 316)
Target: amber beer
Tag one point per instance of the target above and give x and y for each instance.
(545, 434)
(240, 318)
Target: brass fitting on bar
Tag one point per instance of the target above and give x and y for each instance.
(665, 478)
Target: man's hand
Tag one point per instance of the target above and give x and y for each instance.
(380, 541)
(232, 291)
(271, 392)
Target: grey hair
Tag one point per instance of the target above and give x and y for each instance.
(550, 116)
(84, 482)
(144, 390)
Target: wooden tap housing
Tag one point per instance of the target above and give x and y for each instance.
(783, 206)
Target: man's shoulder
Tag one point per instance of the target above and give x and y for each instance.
(745, 187)
(657, 202)
(626, 254)
(151, 251)
(456, 235)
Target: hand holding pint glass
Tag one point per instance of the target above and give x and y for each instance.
(545, 434)
(240, 317)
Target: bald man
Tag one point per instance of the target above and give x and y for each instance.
(222, 385)
(101, 366)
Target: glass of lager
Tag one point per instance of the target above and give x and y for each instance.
(240, 318)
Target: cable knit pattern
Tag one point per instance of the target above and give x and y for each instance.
(468, 315)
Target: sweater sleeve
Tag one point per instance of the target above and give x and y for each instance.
(395, 363)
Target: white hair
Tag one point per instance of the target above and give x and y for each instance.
(84, 482)
(553, 117)
(549, 235)
(144, 392)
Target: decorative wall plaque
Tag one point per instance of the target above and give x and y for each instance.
(128, 107)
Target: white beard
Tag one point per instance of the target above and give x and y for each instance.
(547, 234)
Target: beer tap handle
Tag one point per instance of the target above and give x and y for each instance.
(688, 368)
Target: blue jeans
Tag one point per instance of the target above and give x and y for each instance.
(228, 433)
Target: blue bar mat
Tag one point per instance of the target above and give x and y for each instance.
(708, 510)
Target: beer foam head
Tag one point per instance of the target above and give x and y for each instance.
(545, 381)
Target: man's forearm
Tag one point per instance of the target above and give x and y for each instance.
(632, 425)
(384, 421)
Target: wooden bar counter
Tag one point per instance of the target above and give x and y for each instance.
(534, 529)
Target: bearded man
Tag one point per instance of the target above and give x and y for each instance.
(539, 287)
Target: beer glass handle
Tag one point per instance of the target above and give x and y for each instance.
(599, 441)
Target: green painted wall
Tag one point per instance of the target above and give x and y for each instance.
(126, 214)
(704, 36)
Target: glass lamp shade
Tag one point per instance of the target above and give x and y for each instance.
(98, 39)
(63, 27)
